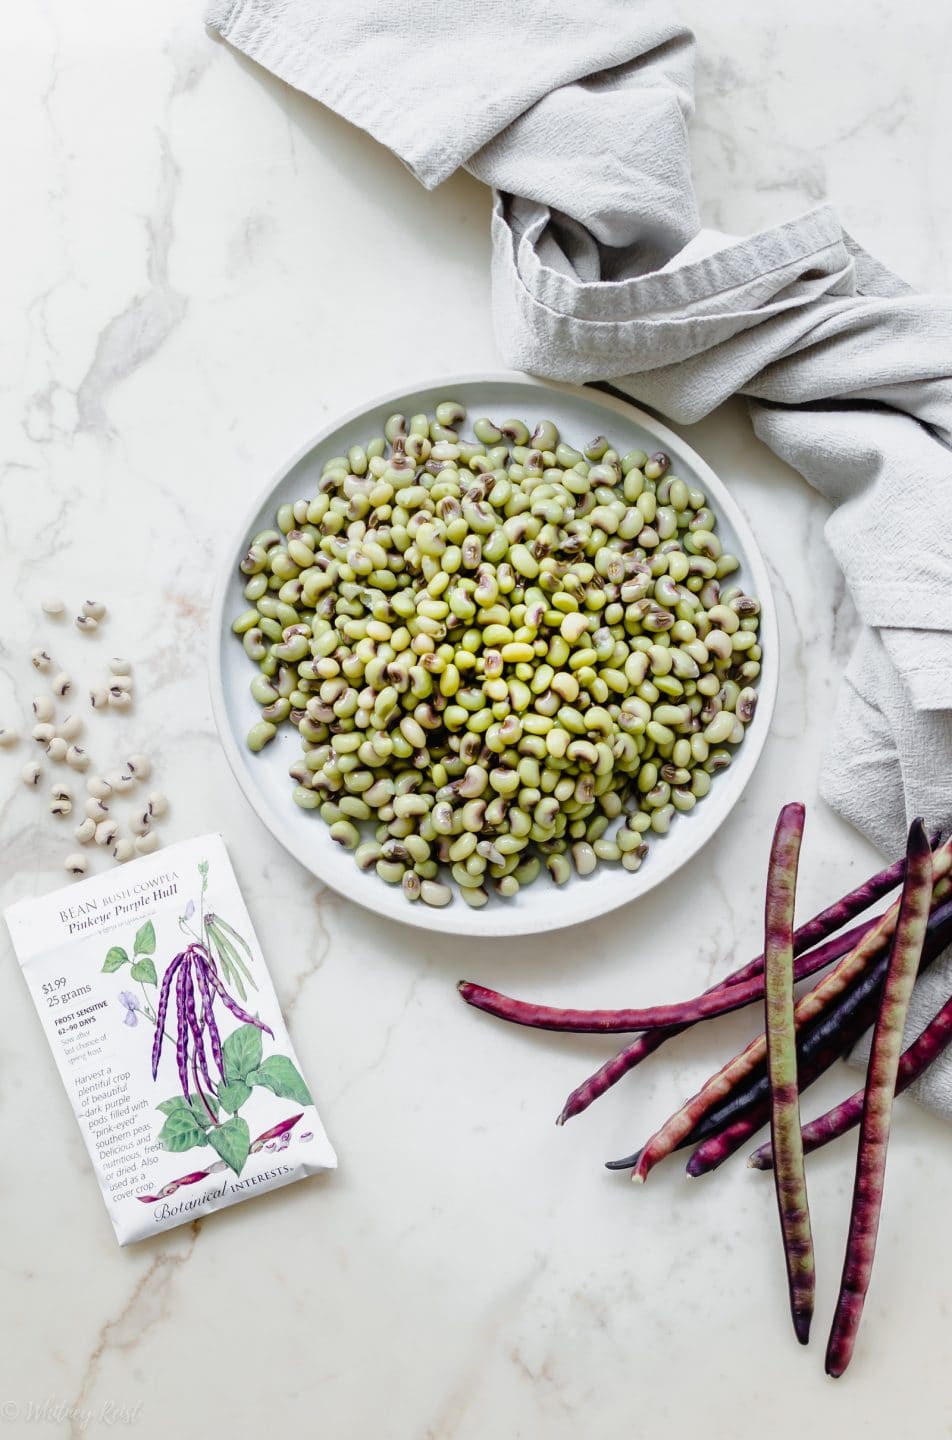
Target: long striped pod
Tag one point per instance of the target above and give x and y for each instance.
(208, 1015)
(926, 1048)
(834, 917)
(679, 1126)
(181, 1040)
(730, 1125)
(716, 1001)
(199, 1061)
(747, 980)
(808, 934)
(791, 1184)
(646, 1044)
(233, 1005)
(877, 1106)
(162, 1010)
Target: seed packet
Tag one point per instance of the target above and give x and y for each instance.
(163, 1021)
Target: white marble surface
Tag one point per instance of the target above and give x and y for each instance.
(199, 268)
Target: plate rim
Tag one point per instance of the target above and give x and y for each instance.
(447, 920)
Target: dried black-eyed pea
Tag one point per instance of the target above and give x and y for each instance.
(99, 697)
(43, 708)
(140, 822)
(96, 809)
(119, 699)
(94, 609)
(62, 685)
(98, 787)
(122, 682)
(61, 807)
(30, 774)
(41, 660)
(87, 624)
(76, 864)
(119, 666)
(8, 737)
(123, 850)
(85, 831)
(57, 748)
(121, 782)
(77, 758)
(145, 844)
(139, 766)
(107, 832)
(43, 733)
(52, 606)
(158, 804)
(70, 728)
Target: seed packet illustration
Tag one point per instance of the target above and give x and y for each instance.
(163, 1021)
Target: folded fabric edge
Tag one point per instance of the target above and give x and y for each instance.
(743, 262)
(218, 14)
(430, 167)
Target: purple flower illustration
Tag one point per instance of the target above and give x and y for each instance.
(131, 1005)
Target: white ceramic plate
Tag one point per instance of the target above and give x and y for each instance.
(579, 414)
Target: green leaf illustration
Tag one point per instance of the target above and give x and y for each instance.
(145, 939)
(233, 1095)
(181, 1131)
(232, 1142)
(195, 1108)
(144, 970)
(115, 959)
(242, 1052)
(282, 1076)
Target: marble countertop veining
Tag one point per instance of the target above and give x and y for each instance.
(200, 268)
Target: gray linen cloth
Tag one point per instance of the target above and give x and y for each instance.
(601, 271)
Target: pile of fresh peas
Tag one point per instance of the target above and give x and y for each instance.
(501, 654)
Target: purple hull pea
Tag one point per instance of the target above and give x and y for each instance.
(162, 1010)
(208, 1015)
(233, 1005)
(199, 1059)
(805, 937)
(181, 1041)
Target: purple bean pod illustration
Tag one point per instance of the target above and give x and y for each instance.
(162, 1012)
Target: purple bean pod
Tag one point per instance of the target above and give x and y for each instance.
(208, 1011)
(161, 1011)
(198, 1059)
(181, 1039)
(779, 973)
(881, 1076)
(717, 1001)
(820, 1044)
(646, 1044)
(810, 933)
(234, 1007)
(928, 1046)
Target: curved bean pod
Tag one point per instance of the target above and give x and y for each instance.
(790, 1180)
(877, 1107)
(843, 1117)
(829, 1037)
(719, 1000)
(680, 1125)
(813, 931)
